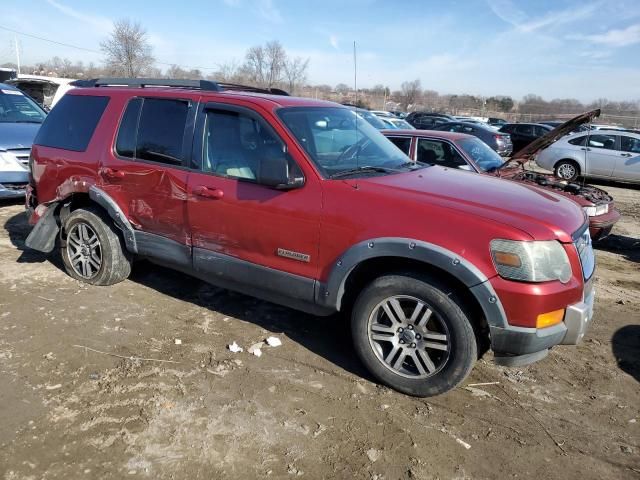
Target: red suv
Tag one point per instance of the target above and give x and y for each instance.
(302, 203)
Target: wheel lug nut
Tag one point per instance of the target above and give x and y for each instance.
(401, 341)
(413, 345)
(400, 330)
(410, 327)
(418, 336)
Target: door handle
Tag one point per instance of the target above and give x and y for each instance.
(212, 193)
(112, 173)
(586, 149)
(625, 155)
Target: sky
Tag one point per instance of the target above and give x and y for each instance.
(586, 49)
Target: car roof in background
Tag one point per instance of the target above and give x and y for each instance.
(7, 86)
(427, 133)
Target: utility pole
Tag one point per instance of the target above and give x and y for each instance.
(15, 39)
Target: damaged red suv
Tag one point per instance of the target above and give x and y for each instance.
(302, 203)
(465, 152)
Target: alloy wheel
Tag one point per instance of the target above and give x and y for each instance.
(84, 250)
(566, 171)
(408, 337)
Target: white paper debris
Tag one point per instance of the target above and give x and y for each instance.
(256, 349)
(235, 348)
(177, 341)
(273, 341)
(373, 454)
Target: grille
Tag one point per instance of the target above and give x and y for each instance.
(22, 154)
(14, 186)
(585, 251)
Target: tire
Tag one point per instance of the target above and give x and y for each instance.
(376, 336)
(92, 250)
(567, 170)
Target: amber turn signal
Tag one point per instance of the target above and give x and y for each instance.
(507, 259)
(550, 318)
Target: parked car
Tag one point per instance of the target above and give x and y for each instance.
(47, 91)
(461, 151)
(606, 154)
(396, 123)
(427, 120)
(557, 123)
(383, 113)
(522, 134)
(496, 122)
(253, 193)
(500, 142)
(20, 119)
(372, 119)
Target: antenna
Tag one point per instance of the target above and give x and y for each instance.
(15, 39)
(355, 87)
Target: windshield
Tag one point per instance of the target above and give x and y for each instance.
(402, 124)
(338, 140)
(485, 157)
(15, 107)
(372, 119)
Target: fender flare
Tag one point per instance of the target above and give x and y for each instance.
(331, 293)
(117, 215)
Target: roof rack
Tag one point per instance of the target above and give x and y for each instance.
(207, 85)
(148, 82)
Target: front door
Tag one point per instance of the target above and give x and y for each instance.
(601, 155)
(244, 232)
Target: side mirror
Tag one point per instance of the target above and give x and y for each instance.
(275, 173)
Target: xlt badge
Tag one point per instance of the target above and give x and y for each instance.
(301, 257)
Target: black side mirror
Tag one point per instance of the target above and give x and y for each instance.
(275, 173)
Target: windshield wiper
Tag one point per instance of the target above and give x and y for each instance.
(413, 165)
(26, 121)
(363, 169)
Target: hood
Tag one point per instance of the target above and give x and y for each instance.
(541, 214)
(17, 135)
(554, 135)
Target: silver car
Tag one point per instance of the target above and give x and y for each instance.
(606, 154)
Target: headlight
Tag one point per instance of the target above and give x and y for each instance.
(539, 261)
(9, 162)
(596, 210)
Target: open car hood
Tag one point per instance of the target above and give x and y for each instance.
(527, 153)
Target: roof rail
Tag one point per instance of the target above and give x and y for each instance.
(246, 88)
(148, 82)
(207, 85)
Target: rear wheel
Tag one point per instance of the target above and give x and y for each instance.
(93, 252)
(567, 170)
(412, 334)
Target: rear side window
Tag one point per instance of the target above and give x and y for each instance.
(403, 143)
(524, 129)
(153, 129)
(629, 144)
(71, 124)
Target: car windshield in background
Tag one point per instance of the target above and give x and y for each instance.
(341, 143)
(15, 107)
(401, 124)
(484, 156)
(373, 120)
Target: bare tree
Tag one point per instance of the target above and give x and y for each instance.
(230, 72)
(295, 71)
(127, 50)
(411, 92)
(264, 65)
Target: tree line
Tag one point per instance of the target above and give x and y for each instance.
(128, 53)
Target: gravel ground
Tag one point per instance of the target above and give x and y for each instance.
(74, 404)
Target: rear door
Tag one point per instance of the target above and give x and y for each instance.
(628, 164)
(245, 233)
(522, 136)
(601, 155)
(146, 174)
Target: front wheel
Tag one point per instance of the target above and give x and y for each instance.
(413, 335)
(567, 170)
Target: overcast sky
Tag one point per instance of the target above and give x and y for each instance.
(582, 49)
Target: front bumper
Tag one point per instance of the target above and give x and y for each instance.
(600, 226)
(13, 184)
(522, 345)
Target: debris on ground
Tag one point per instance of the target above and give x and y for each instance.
(49, 356)
(177, 341)
(373, 454)
(463, 443)
(256, 349)
(273, 341)
(235, 348)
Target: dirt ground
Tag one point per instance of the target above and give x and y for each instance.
(304, 409)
